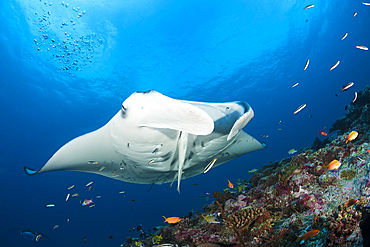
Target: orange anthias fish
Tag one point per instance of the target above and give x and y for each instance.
(322, 133)
(171, 220)
(350, 203)
(230, 185)
(335, 164)
(309, 234)
(352, 136)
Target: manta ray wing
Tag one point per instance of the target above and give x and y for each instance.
(155, 139)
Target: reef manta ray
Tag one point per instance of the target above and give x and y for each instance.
(155, 139)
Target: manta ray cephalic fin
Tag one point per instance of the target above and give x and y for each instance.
(242, 121)
(155, 110)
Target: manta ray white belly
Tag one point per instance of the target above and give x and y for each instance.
(157, 139)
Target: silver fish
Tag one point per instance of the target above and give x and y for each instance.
(294, 85)
(344, 36)
(362, 47)
(355, 98)
(300, 108)
(309, 6)
(306, 65)
(348, 85)
(335, 65)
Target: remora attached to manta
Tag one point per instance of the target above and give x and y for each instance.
(155, 139)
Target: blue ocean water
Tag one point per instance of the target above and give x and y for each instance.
(214, 51)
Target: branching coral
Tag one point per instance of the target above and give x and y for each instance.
(232, 226)
(341, 225)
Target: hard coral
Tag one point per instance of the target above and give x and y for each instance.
(243, 219)
(294, 167)
(341, 225)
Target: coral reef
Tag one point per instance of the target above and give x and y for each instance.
(341, 225)
(293, 196)
(222, 197)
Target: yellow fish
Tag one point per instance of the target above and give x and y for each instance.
(292, 151)
(253, 170)
(139, 244)
(211, 219)
(156, 239)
